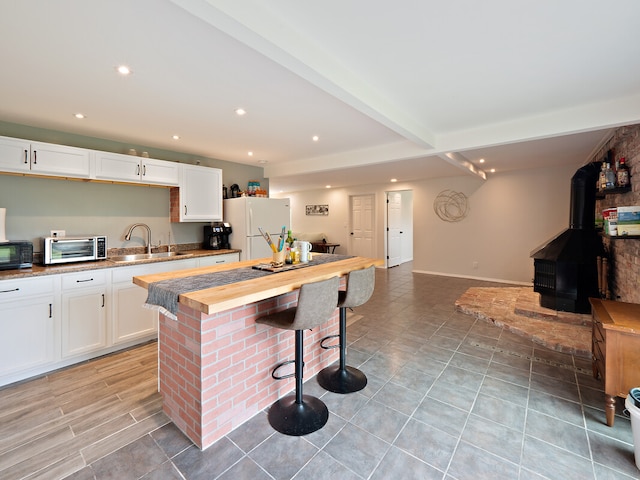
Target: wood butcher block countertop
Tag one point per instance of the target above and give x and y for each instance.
(225, 297)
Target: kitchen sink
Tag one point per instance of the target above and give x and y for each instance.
(146, 256)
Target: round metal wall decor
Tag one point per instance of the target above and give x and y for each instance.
(451, 206)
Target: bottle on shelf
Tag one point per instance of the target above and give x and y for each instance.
(602, 178)
(289, 239)
(611, 177)
(622, 175)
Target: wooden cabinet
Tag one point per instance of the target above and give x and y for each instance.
(199, 195)
(129, 168)
(28, 314)
(21, 156)
(84, 312)
(615, 347)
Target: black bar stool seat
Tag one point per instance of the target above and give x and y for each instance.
(301, 414)
(343, 378)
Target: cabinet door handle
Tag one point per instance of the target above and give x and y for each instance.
(50, 310)
(9, 291)
(84, 281)
(185, 209)
(35, 157)
(26, 156)
(103, 300)
(144, 170)
(138, 170)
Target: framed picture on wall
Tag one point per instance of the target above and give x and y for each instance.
(317, 210)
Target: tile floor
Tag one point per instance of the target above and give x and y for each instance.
(449, 397)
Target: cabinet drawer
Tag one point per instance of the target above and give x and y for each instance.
(125, 274)
(599, 333)
(90, 278)
(17, 289)
(218, 259)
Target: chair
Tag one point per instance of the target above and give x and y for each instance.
(300, 414)
(343, 378)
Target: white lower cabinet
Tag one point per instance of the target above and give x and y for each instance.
(28, 313)
(57, 320)
(131, 320)
(84, 312)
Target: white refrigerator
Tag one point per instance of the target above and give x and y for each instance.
(247, 214)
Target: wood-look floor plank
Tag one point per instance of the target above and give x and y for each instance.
(47, 456)
(28, 418)
(114, 409)
(59, 469)
(35, 431)
(113, 442)
(84, 397)
(151, 408)
(54, 425)
(21, 396)
(25, 451)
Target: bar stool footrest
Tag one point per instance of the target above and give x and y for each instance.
(282, 377)
(296, 419)
(327, 338)
(337, 380)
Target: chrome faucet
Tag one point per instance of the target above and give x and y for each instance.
(127, 237)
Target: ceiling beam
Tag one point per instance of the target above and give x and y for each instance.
(460, 161)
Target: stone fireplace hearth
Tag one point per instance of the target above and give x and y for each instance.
(518, 310)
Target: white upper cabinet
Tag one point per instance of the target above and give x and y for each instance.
(14, 155)
(43, 158)
(200, 195)
(129, 168)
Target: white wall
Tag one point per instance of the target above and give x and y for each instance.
(510, 215)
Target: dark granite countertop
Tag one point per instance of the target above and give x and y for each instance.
(41, 270)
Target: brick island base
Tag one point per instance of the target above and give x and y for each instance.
(215, 370)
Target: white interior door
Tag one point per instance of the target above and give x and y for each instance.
(362, 225)
(394, 229)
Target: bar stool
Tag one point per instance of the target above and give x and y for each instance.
(343, 378)
(302, 414)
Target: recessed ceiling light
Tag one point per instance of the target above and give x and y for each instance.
(262, 162)
(250, 154)
(315, 138)
(327, 186)
(79, 115)
(123, 70)
(394, 180)
(240, 111)
(176, 137)
(493, 170)
(481, 160)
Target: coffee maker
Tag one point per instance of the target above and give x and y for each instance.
(216, 236)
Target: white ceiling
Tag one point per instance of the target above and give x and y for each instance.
(389, 87)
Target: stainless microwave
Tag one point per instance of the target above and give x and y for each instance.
(16, 254)
(83, 248)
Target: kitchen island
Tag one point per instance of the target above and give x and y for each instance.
(214, 361)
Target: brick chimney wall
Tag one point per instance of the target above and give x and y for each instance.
(624, 254)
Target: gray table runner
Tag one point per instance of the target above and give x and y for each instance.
(164, 294)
